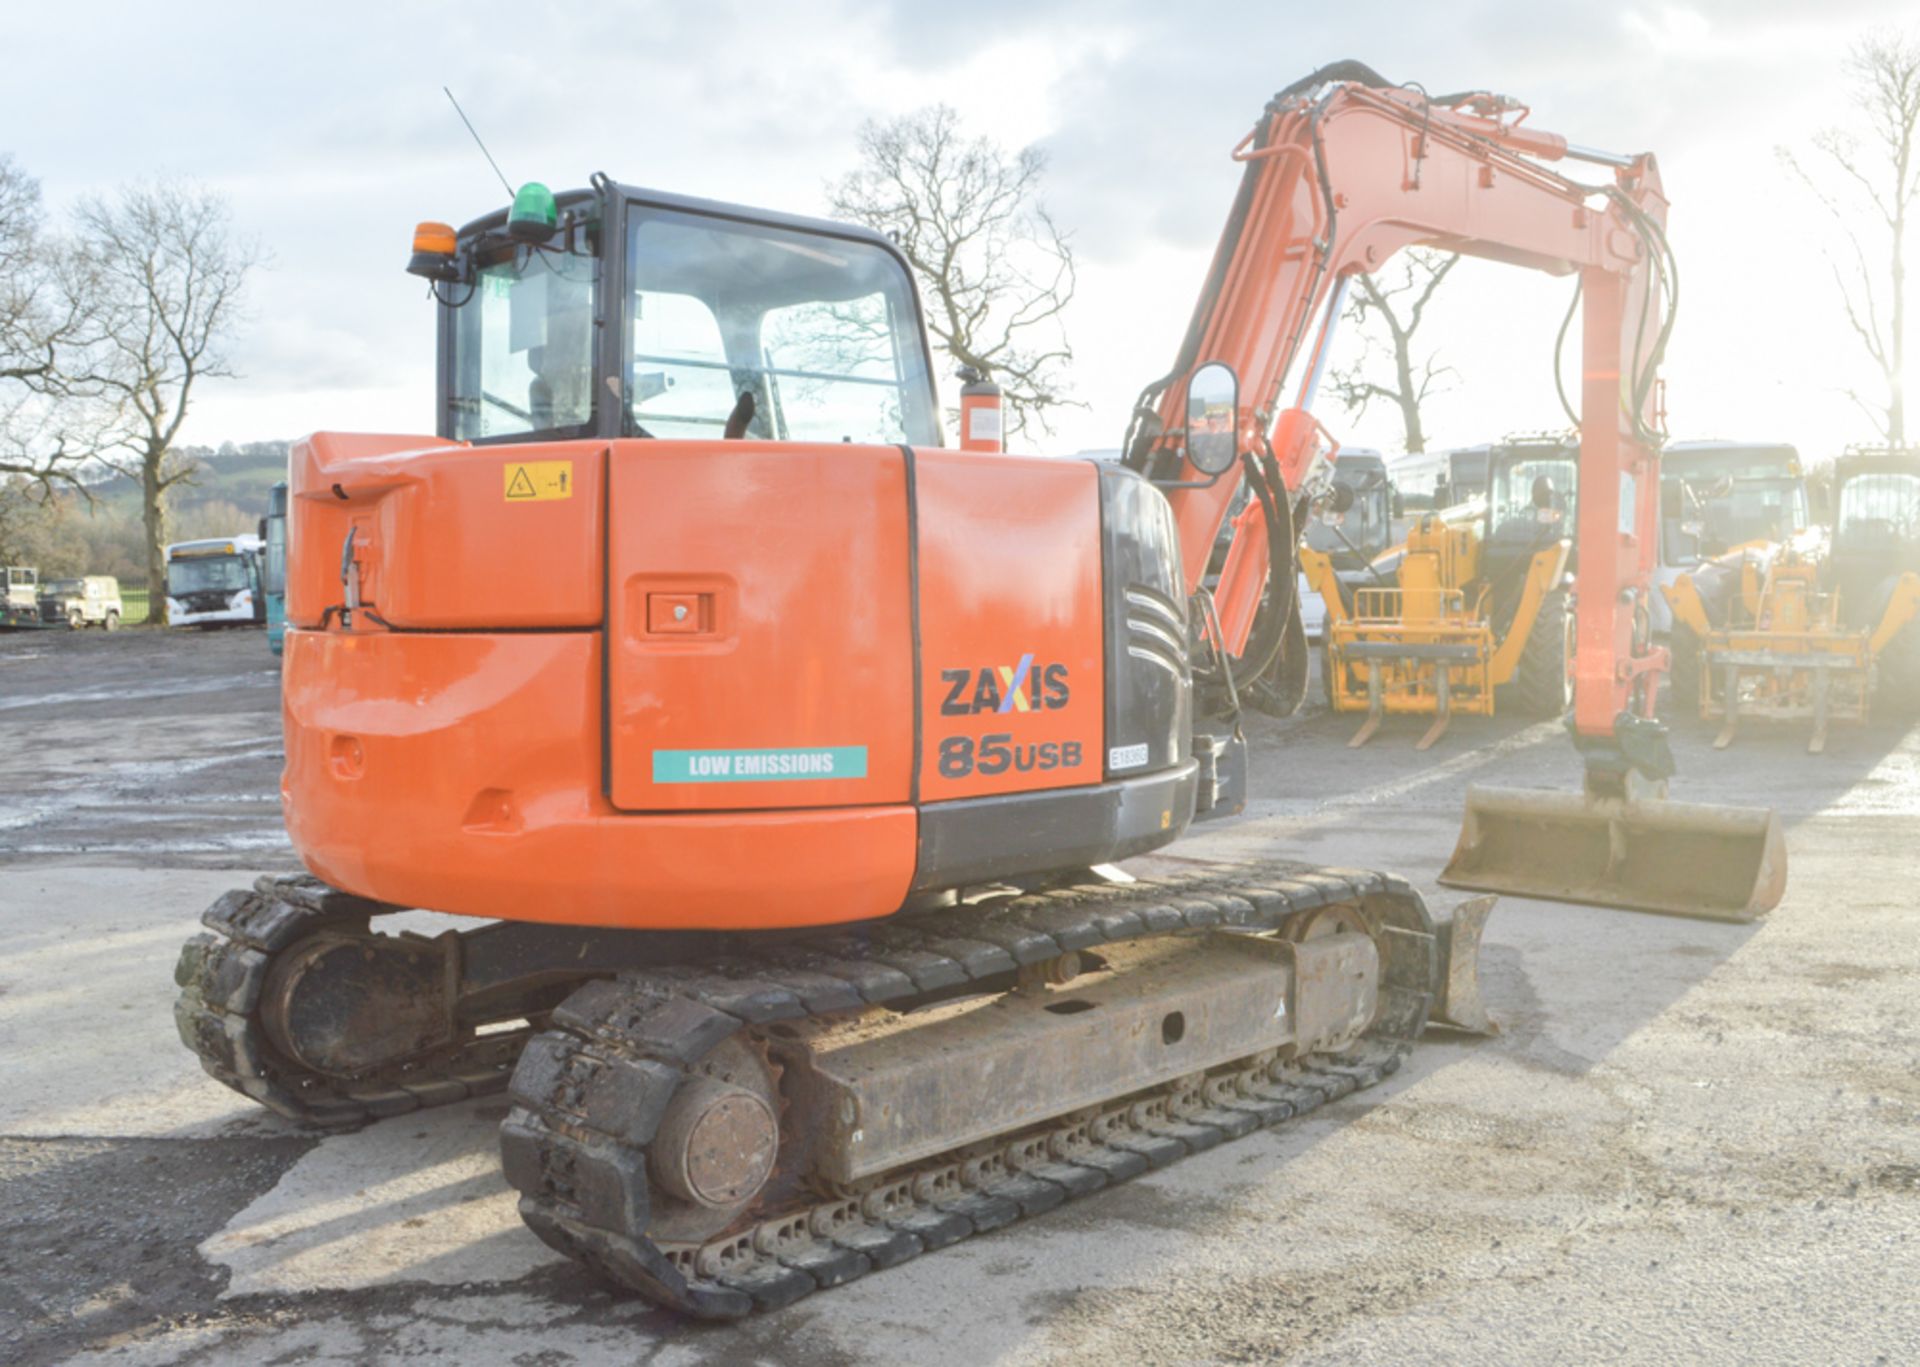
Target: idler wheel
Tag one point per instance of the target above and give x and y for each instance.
(716, 1144)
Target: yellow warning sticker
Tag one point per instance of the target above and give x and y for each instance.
(537, 481)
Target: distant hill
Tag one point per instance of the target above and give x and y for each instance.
(66, 535)
(237, 475)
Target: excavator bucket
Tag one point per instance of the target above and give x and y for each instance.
(1641, 854)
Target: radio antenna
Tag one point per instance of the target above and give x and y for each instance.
(477, 143)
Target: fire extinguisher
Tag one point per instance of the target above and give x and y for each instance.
(979, 412)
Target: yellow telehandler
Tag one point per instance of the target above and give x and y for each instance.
(1815, 627)
(1469, 615)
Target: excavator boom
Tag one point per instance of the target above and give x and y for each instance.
(1342, 170)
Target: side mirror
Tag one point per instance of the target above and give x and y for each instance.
(1399, 505)
(1213, 418)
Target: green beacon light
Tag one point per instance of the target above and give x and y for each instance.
(534, 216)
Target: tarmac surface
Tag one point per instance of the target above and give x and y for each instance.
(1693, 1141)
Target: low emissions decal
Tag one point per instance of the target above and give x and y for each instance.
(760, 766)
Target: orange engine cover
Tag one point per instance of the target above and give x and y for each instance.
(680, 684)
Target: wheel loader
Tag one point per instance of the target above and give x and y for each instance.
(1468, 615)
(1817, 626)
(768, 744)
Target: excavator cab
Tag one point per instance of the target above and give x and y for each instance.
(620, 312)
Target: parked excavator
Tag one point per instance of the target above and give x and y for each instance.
(1468, 613)
(1813, 626)
(774, 742)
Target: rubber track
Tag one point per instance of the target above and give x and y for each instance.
(589, 1093)
(221, 976)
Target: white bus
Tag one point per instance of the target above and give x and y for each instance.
(215, 582)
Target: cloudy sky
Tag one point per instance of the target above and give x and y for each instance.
(326, 127)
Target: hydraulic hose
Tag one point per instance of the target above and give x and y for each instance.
(1268, 634)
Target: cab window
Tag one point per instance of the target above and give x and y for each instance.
(816, 336)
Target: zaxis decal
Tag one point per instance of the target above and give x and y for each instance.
(1025, 687)
(1001, 690)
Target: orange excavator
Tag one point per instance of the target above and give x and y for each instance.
(773, 744)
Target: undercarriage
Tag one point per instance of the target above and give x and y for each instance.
(724, 1123)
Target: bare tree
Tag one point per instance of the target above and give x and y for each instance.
(1871, 191)
(995, 270)
(46, 324)
(1399, 302)
(167, 274)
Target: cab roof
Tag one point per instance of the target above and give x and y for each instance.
(662, 199)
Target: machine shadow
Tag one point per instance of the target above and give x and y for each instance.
(1580, 948)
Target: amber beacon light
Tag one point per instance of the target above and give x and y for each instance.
(433, 252)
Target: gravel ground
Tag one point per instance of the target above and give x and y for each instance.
(1693, 1140)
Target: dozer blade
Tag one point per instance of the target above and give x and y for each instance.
(1646, 854)
(1458, 1005)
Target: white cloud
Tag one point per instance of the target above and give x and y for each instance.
(328, 129)
(1670, 28)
